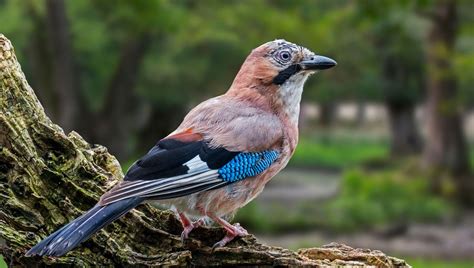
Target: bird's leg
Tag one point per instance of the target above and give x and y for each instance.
(188, 226)
(233, 231)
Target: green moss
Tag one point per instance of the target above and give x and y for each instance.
(2, 262)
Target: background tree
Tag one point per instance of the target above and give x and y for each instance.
(446, 146)
(396, 41)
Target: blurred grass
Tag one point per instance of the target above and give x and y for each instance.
(337, 151)
(428, 263)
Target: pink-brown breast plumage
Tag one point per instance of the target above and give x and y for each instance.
(237, 125)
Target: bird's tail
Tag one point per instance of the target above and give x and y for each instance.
(73, 233)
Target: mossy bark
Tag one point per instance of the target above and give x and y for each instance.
(47, 178)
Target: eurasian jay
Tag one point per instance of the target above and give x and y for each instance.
(220, 157)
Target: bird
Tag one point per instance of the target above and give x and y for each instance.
(219, 158)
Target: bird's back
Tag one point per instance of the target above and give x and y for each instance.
(236, 124)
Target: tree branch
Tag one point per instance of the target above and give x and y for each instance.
(48, 178)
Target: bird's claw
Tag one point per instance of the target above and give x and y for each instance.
(187, 229)
(185, 233)
(220, 244)
(240, 229)
(237, 231)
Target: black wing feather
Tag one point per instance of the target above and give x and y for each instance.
(216, 157)
(160, 162)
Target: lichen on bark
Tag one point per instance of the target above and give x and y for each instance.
(48, 177)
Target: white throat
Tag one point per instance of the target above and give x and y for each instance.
(290, 95)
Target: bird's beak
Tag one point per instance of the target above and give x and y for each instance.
(317, 62)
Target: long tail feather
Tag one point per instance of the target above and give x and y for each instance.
(75, 232)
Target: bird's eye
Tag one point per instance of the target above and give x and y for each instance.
(284, 56)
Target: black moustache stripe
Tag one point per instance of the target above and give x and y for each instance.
(285, 74)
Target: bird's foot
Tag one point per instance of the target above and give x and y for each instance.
(189, 227)
(232, 232)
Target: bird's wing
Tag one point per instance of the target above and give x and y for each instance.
(185, 163)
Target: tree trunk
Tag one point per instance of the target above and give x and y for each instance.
(161, 122)
(404, 138)
(38, 52)
(360, 113)
(64, 83)
(327, 113)
(116, 119)
(402, 75)
(446, 146)
(47, 178)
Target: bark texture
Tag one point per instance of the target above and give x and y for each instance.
(47, 178)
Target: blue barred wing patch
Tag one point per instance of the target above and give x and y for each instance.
(247, 165)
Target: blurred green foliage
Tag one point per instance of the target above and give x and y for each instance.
(377, 198)
(191, 38)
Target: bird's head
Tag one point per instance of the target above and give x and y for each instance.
(277, 70)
